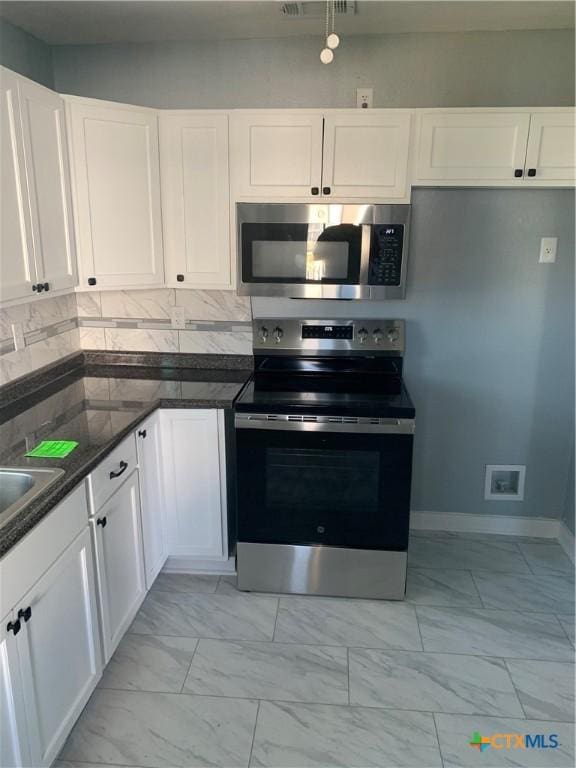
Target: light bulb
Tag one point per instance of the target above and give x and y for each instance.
(326, 56)
(333, 41)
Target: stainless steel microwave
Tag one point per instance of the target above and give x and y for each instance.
(322, 251)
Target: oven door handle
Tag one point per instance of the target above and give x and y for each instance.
(357, 425)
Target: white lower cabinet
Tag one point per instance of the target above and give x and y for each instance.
(119, 562)
(58, 648)
(14, 747)
(151, 497)
(193, 461)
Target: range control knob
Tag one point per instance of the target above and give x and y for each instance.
(263, 333)
(393, 335)
(362, 335)
(378, 336)
(278, 333)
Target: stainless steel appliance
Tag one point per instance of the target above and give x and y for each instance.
(322, 251)
(324, 433)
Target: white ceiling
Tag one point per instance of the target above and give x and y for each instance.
(101, 21)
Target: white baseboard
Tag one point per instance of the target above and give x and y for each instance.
(194, 565)
(566, 540)
(506, 525)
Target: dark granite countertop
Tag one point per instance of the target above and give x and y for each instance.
(98, 400)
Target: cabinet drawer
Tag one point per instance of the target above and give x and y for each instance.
(111, 473)
(21, 568)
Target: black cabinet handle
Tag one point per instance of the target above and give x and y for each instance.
(102, 521)
(518, 173)
(142, 433)
(326, 190)
(315, 190)
(39, 287)
(123, 468)
(531, 172)
(14, 626)
(25, 614)
(91, 281)
(180, 278)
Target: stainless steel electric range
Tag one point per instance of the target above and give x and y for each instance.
(324, 433)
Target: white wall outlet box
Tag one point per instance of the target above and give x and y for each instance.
(504, 482)
(178, 317)
(364, 98)
(548, 248)
(18, 335)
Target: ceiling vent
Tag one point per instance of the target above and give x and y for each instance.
(316, 10)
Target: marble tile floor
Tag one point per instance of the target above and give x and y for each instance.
(210, 676)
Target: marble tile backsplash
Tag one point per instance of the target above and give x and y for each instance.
(136, 321)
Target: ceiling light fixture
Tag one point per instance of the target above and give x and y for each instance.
(331, 38)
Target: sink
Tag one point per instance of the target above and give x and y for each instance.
(18, 486)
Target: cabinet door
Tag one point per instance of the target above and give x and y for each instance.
(59, 649)
(366, 154)
(151, 498)
(471, 146)
(196, 199)
(46, 152)
(277, 154)
(17, 270)
(115, 159)
(192, 464)
(551, 146)
(14, 747)
(119, 562)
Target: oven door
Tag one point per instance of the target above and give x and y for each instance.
(302, 252)
(341, 485)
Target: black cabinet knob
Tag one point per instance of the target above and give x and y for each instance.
(46, 286)
(518, 173)
(315, 190)
(326, 190)
(14, 626)
(35, 288)
(102, 521)
(180, 278)
(142, 432)
(91, 281)
(25, 614)
(531, 172)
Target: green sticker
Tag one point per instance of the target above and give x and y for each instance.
(52, 449)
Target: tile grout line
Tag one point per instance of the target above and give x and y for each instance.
(189, 666)
(557, 616)
(419, 630)
(514, 686)
(254, 734)
(276, 620)
(482, 603)
(438, 738)
(530, 569)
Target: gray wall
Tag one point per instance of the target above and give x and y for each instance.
(474, 69)
(25, 54)
(569, 515)
(490, 345)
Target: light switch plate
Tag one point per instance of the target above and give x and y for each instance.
(178, 317)
(18, 336)
(548, 248)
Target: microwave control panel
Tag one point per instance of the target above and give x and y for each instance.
(386, 254)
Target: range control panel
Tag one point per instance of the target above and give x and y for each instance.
(293, 336)
(386, 254)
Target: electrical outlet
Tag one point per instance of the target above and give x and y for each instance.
(178, 317)
(548, 248)
(18, 336)
(364, 97)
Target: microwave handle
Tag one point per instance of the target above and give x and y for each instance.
(365, 253)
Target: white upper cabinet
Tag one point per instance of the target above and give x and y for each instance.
(46, 153)
(196, 198)
(276, 154)
(551, 146)
(17, 268)
(366, 153)
(116, 173)
(194, 477)
(471, 146)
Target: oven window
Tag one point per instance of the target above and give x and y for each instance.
(292, 260)
(301, 253)
(322, 481)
